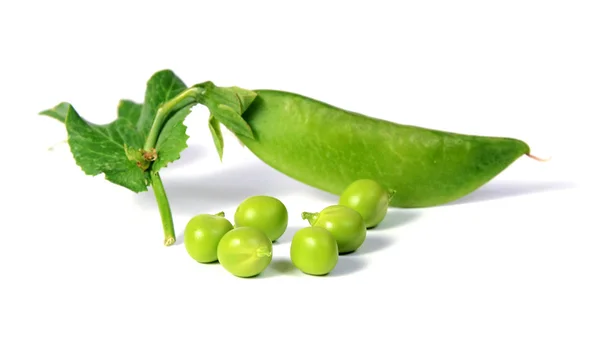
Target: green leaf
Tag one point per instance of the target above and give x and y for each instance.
(227, 106)
(122, 130)
(130, 111)
(101, 149)
(58, 112)
(215, 130)
(128, 115)
(162, 86)
(123, 150)
(116, 149)
(172, 140)
(233, 121)
(245, 96)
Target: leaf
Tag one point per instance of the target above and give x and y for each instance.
(172, 140)
(121, 130)
(125, 152)
(58, 112)
(115, 149)
(162, 86)
(215, 130)
(233, 121)
(128, 115)
(130, 111)
(227, 106)
(245, 96)
(101, 149)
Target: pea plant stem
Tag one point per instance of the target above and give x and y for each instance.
(164, 112)
(188, 96)
(164, 208)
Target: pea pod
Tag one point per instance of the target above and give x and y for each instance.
(328, 148)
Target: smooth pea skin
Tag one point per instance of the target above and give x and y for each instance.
(264, 213)
(245, 252)
(202, 235)
(328, 148)
(314, 251)
(368, 198)
(345, 224)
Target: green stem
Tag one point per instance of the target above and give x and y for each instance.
(186, 98)
(164, 112)
(163, 208)
(310, 216)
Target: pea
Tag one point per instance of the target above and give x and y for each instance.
(265, 213)
(345, 224)
(314, 251)
(202, 235)
(328, 147)
(245, 252)
(368, 198)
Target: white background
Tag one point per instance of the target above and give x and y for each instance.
(514, 266)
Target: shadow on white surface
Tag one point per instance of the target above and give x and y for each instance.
(397, 217)
(374, 243)
(499, 189)
(282, 266)
(179, 238)
(278, 267)
(348, 264)
(207, 193)
(189, 156)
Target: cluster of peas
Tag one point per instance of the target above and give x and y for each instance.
(245, 250)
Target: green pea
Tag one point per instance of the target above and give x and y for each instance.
(328, 148)
(245, 252)
(345, 224)
(264, 213)
(368, 198)
(314, 251)
(202, 235)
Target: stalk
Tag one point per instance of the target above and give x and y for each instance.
(230, 100)
(164, 112)
(310, 216)
(162, 115)
(164, 208)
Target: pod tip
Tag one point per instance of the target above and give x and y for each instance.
(540, 159)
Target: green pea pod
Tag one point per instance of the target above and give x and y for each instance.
(329, 148)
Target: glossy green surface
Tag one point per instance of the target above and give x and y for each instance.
(202, 235)
(329, 148)
(245, 252)
(314, 251)
(265, 213)
(345, 224)
(368, 198)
